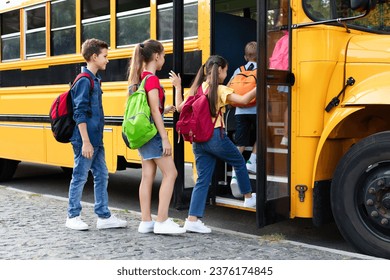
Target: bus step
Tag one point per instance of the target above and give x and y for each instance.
(270, 178)
(232, 203)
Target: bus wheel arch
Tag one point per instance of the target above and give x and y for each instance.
(7, 168)
(360, 195)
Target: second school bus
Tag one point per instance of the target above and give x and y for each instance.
(336, 164)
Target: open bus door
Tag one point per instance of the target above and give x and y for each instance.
(273, 110)
(233, 25)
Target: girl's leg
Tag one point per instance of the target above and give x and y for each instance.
(205, 165)
(228, 152)
(145, 189)
(169, 174)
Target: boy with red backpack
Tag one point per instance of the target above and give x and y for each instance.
(87, 142)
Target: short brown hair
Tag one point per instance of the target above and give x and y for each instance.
(251, 51)
(91, 46)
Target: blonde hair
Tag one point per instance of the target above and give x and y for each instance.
(251, 51)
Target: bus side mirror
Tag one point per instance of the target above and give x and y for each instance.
(362, 5)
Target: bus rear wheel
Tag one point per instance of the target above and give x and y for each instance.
(360, 195)
(7, 169)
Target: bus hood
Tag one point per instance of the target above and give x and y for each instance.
(368, 48)
(368, 62)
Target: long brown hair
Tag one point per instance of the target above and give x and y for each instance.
(143, 53)
(210, 70)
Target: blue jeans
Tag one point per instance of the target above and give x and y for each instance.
(82, 165)
(206, 154)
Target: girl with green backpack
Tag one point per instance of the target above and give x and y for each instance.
(149, 57)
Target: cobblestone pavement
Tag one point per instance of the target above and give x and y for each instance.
(32, 227)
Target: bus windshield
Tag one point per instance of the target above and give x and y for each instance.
(377, 21)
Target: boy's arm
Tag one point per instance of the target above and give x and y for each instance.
(81, 107)
(87, 148)
(81, 100)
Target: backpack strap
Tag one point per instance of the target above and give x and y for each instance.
(143, 82)
(86, 75)
(137, 86)
(242, 68)
(92, 85)
(219, 114)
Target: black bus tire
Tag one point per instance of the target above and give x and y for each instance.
(7, 169)
(360, 195)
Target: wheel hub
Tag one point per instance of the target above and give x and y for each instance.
(377, 201)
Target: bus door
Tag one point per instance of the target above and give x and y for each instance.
(273, 111)
(233, 25)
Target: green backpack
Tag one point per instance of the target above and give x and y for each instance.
(138, 127)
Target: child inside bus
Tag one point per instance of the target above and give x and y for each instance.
(87, 142)
(279, 60)
(148, 58)
(210, 77)
(245, 119)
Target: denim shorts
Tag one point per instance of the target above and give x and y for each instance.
(152, 149)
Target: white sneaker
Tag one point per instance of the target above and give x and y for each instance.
(167, 227)
(234, 187)
(76, 223)
(197, 226)
(251, 167)
(146, 227)
(111, 222)
(284, 141)
(250, 202)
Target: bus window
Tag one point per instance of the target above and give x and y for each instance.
(165, 19)
(35, 19)
(96, 20)
(63, 27)
(133, 22)
(377, 20)
(318, 10)
(10, 36)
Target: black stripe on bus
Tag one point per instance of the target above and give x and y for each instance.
(116, 71)
(108, 120)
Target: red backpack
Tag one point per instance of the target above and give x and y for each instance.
(194, 122)
(61, 113)
(242, 83)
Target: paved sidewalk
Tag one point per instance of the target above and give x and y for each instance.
(32, 227)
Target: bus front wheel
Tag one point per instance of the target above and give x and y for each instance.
(7, 168)
(360, 195)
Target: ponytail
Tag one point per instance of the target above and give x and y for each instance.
(210, 69)
(199, 79)
(213, 92)
(143, 53)
(135, 69)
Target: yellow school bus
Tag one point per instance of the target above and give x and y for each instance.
(323, 128)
